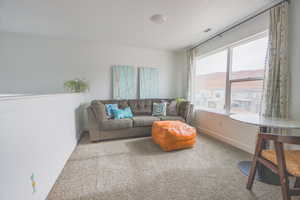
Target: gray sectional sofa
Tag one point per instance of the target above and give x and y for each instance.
(101, 127)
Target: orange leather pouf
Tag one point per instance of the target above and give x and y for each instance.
(173, 135)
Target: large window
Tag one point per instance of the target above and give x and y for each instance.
(211, 81)
(232, 79)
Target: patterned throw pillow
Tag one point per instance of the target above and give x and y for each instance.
(109, 108)
(159, 109)
(121, 114)
(172, 108)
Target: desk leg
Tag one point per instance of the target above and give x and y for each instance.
(263, 174)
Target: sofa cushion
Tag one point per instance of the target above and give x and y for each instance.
(161, 100)
(121, 103)
(114, 124)
(141, 106)
(139, 121)
(172, 118)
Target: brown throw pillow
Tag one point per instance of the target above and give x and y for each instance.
(172, 108)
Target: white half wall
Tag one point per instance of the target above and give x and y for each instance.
(221, 127)
(37, 135)
(39, 65)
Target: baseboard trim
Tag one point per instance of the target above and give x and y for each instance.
(227, 140)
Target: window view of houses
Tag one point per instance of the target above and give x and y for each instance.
(245, 96)
(210, 90)
(248, 61)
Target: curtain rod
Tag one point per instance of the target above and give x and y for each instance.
(238, 24)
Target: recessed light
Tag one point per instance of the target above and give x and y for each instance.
(207, 30)
(158, 18)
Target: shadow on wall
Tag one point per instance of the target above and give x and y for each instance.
(81, 120)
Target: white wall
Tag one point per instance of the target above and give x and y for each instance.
(181, 78)
(221, 126)
(294, 58)
(36, 64)
(294, 61)
(37, 135)
(248, 29)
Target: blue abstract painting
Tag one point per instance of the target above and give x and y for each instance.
(148, 82)
(124, 82)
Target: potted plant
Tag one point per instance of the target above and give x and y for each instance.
(76, 85)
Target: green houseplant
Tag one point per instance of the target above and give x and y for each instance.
(76, 85)
(179, 100)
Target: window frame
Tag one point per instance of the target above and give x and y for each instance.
(229, 81)
(223, 111)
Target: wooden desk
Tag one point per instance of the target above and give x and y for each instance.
(263, 174)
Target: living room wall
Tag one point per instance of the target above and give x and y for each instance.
(294, 60)
(40, 64)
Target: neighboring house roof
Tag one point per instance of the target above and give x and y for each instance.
(217, 80)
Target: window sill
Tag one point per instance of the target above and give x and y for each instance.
(220, 112)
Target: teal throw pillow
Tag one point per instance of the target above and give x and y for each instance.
(159, 109)
(109, 109)
(121, 114)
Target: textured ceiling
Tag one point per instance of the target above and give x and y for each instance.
(126, 21)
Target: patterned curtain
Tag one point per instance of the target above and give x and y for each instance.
(276, 88)
(191, 74)
(149, 83)
(124, 82)
(191, 57)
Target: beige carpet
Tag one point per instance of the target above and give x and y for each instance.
(136, 169)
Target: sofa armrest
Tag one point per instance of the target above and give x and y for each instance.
(186, 110)
(98, 110)
(190, 114)
(93, 125)
(96, 115)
